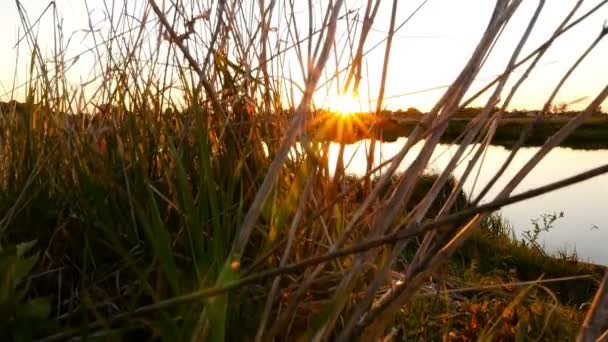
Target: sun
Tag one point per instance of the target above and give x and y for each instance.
(344, 105)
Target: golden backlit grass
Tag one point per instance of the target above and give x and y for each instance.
(180, 210)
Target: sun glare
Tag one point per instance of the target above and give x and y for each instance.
(345, 105)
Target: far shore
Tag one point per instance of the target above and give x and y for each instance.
(388, 127)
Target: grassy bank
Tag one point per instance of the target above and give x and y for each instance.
(484, 291)
(97, 236)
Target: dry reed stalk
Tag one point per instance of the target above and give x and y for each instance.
(422, 207)
(327, 243)
(543, 47)
(387, 53)
(272, 294)
(529, 127)
(404, 188)
(362, 247)
(461, 145)
(288, 140)
(404, 293)
(596, 319)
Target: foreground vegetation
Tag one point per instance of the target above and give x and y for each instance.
(177, 195)
(482, 293)
(78, 262)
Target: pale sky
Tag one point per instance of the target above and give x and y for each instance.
(428, 52)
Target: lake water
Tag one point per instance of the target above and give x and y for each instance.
(584, 227)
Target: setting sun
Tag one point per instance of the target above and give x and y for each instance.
(345, 105)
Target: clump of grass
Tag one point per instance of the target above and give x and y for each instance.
(496, 250)
(484, 290)
(439, 318)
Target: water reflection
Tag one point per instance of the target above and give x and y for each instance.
(584, 227)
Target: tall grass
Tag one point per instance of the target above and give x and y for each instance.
(165, 197)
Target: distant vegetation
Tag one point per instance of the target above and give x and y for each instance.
(390, 125)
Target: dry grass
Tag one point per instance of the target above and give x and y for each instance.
(180, 210)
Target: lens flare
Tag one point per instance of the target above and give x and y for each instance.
(345, 105)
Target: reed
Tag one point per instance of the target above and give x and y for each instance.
(178, 194)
